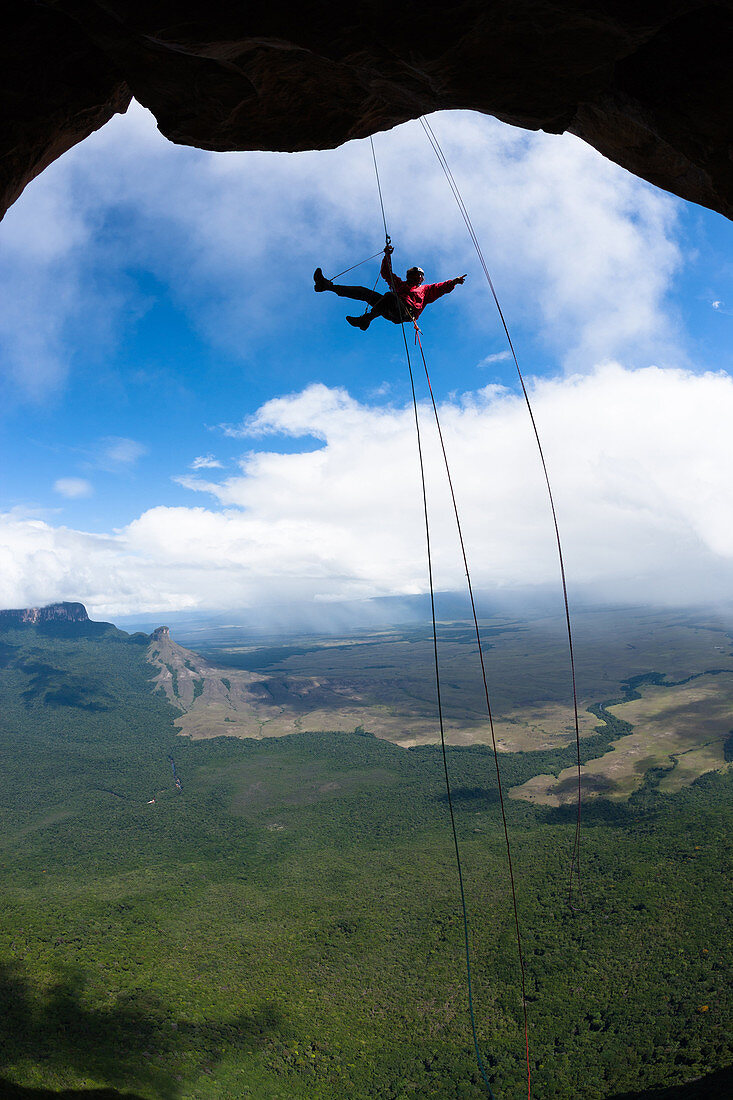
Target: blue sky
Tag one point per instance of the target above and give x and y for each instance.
(186, 425)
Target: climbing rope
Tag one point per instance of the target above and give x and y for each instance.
(441, 723)
(575, 857)
(354, 266)
(479, 646)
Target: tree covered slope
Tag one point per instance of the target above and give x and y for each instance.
(287, 924)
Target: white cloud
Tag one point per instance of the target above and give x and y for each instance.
(382, 390)
(117, 451)
(576, 244)
(639, 461)
(73, 487)
(54, 294)
(205, 462)
(498, 357)
(40, 564)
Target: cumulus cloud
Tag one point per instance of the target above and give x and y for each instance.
(575, 243)
(639, 460)
(41, 564)
(73, 487)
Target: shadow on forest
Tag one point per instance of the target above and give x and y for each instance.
(596, 811)
(60, 688)
(710, 1087)
(472, 795)
(9, 1091)
(134, 1042)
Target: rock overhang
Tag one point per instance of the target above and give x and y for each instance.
(646, 82)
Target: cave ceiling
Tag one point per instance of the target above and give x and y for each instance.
(646, 82)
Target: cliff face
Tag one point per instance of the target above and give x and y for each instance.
(230, 702)
(647, 82)
(53, 613)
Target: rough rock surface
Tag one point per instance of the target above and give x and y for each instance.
(214, 702)
(647, 82)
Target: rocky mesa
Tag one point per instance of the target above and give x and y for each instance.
(52, 613)
(216, 702)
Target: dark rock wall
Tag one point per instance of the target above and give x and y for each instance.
(647, 82)
(56, 88)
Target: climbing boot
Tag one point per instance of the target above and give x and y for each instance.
(359, 322)
(320, 282)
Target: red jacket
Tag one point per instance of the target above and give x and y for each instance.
(414, 297)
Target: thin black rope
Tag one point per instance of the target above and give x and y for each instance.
(575, 858)
(489, 712)
(381, 200)
(441, 723)
(449, 793)
(354, 266)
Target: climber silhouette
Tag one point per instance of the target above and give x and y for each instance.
(405, 302)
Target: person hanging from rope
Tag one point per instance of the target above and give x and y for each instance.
(404, 301)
